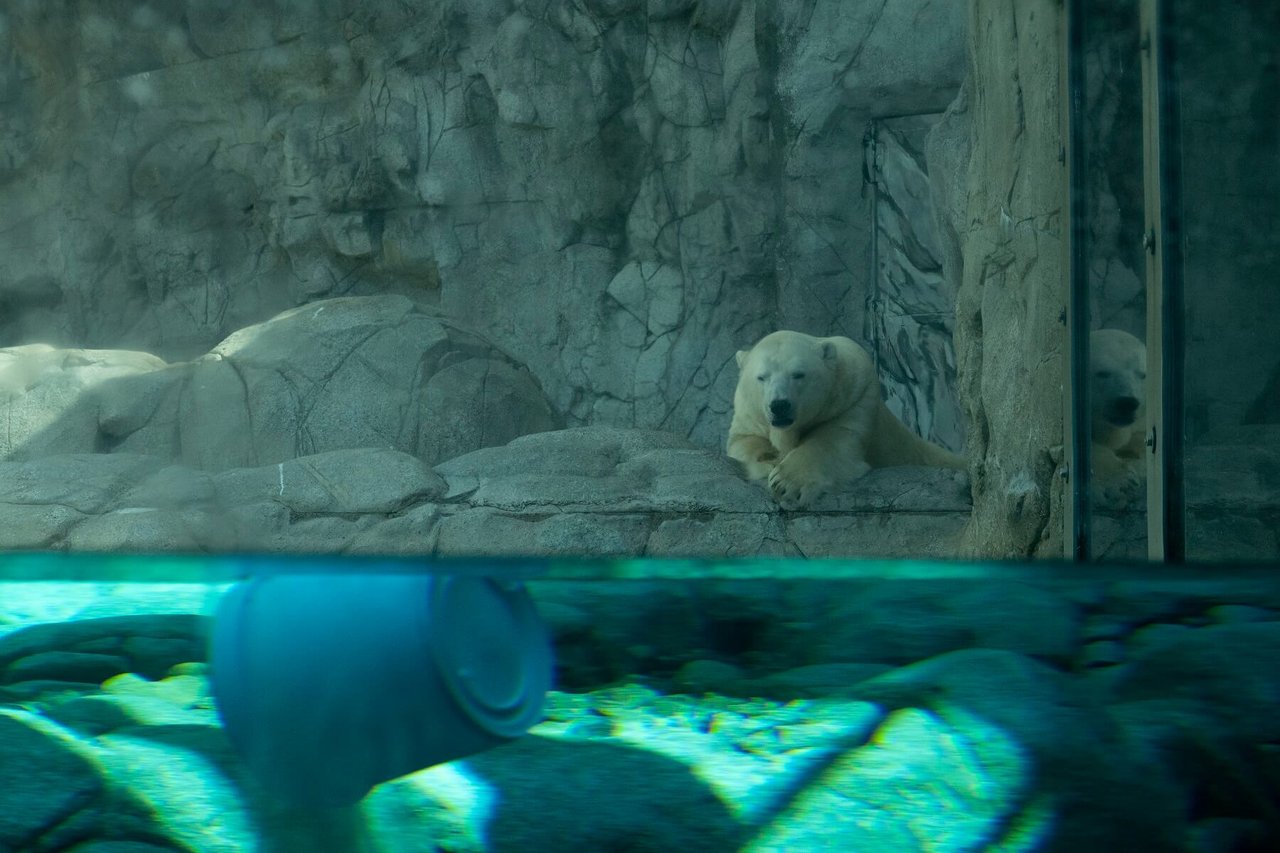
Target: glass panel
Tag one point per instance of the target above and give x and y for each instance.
(1111, 133)
(696, 706)
(1226, 76)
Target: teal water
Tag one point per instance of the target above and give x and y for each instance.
(702, 704)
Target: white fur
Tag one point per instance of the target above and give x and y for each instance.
(1117, 405)
(808, 416)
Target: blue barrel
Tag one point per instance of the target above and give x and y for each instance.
(330, 684)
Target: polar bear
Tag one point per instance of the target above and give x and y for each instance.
(808, 416)
(1117, 391)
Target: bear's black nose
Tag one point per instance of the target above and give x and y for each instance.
(1122, 410)
(781, 414)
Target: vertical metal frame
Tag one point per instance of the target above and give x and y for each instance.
(1076, 421)
(1166, 524)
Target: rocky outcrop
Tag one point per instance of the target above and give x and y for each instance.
(592, 491)
(372, 372)
(1010, 335)
(622, 193)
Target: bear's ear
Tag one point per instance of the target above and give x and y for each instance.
(741, 357)
(828, 351)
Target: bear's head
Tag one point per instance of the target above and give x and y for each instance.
(1117, 383)
(789, 375)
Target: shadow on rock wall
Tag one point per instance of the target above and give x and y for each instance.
(377, 372)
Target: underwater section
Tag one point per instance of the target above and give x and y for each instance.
(905, 706)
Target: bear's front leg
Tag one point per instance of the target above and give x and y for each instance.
(757, 455)
(827, 457)
(1117, 481)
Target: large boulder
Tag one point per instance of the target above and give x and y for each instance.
(48, 396)
(1077, 782)
(376, 372)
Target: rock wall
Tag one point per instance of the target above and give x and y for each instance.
(1010, 334)
(623, 193)
(351, 373)
(911, 316)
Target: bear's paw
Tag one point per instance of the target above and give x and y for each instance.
(793, 488)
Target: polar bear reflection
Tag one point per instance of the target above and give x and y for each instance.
(1117, 395)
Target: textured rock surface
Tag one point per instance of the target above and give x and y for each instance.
(371, 372)
(625, 193)
(47, 396)
(622, 193)
(912, 315)
(1230, 155)
(1074, 746)
(1233, 495)
(586, 491)
(1010, 338)
(44, 782)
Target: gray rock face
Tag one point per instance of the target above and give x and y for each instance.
(905, 622)
(1233, 494)
(1112, 132)
(913, 319)
(592, 491)
(47, 396)
(92, 650)
(602, 469)
(622, 193)
(1231, 184)
(372, 372)
(601, 491)
(1226, 671)
(1010, 342)
(125, 502)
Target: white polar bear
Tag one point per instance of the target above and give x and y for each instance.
(1117, 394)
(807, 415)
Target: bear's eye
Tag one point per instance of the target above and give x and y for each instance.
(762, 376)
(799, 374)
(1142, 374)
